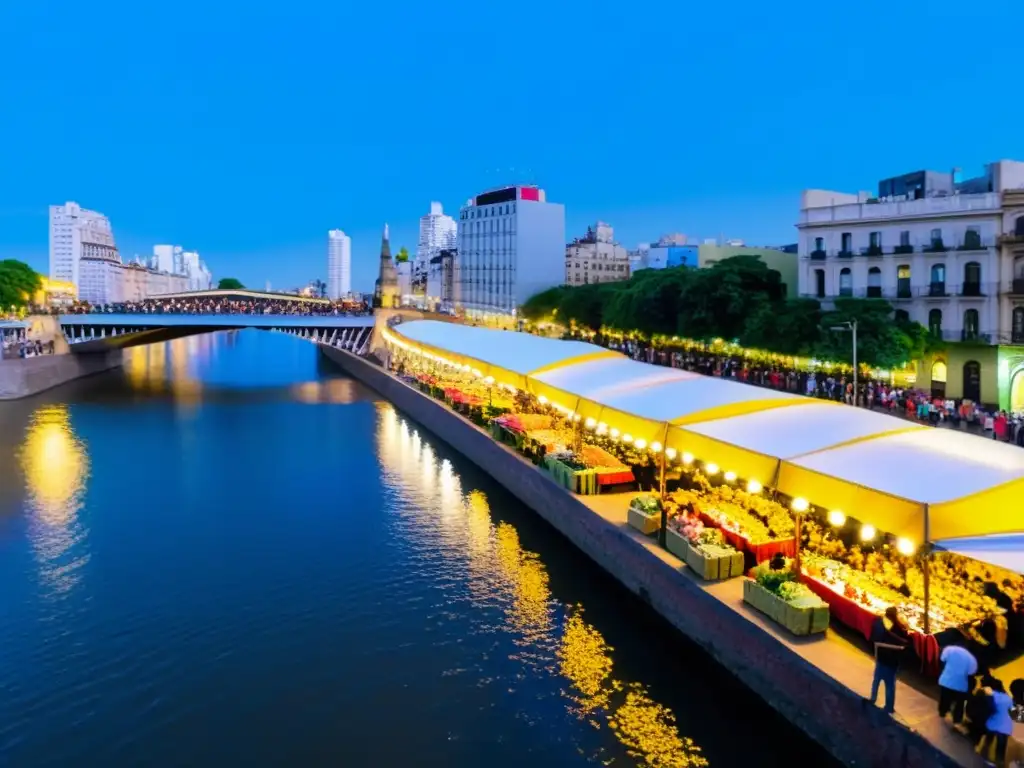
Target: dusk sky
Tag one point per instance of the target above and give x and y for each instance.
(247, 130)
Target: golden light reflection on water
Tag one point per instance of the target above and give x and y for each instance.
(56, 466)
(573, 649)
(169, 367)
(330, 391)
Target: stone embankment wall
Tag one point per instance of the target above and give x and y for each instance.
(30, 376)
(832, 714)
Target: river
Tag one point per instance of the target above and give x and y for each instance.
(229, 554)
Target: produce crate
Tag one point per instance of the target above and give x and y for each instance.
(798, 620)
(646, 524)
(712, 568)
(676, 543)
(578, 481)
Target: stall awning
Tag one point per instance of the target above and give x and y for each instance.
(968, 485)
(1005, 551)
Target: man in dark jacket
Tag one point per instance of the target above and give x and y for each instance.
(891, 639)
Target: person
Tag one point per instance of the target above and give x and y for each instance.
(999, 726)
(979, 708)
(891, 639)
(958, 665)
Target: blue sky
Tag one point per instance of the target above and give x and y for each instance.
(247, 130)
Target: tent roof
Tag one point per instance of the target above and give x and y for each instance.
(521, 353)
(1004, 550)
(787, 432)
(591, 379)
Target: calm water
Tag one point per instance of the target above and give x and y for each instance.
(229, 555)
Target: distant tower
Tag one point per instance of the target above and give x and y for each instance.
(339, 264)
(385, 290)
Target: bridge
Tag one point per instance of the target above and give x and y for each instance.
(102, 332)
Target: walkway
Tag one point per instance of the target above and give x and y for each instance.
(834, 654)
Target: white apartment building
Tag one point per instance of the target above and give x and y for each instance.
(930, 245)
(511, 245)
(76, 233)
(199, 277)
(438, 232)
(596, 258)
(339, 264)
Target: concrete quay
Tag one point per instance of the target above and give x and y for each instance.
(24, 377)
(819, 685)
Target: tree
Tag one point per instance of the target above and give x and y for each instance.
(542, 306)
(18, 283)
(402, 256)
(230, 284)
(881, 341)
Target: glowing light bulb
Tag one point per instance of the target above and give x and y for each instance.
(590, 423)
(687, 458)
(754, 487)
(655, 447)
(837, 518)
(905, 546)
(640, 444)
(627, 438)
(800, 505)
(710, 469)
(614, 433)
(670, 453)
(542, 400)
(730, 477)
(867, 532)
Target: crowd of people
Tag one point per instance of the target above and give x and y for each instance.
(971, 698)
(222, 306)
(836, 385)
(13, 347)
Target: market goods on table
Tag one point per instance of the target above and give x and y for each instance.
(747, 522)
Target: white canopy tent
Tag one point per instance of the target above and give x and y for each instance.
(590, 379)
(1005, 550)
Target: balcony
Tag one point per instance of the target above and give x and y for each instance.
(844, 254)
(968, 334)
(971, 289)
(903, 292)
(871, 251)
(936, 246)
(1017, 286)
(818, 255)
(937, 290)
(874, 292)
(900, 249)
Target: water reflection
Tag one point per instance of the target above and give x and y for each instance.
(554, 639)
(332, 391)
(55, 465)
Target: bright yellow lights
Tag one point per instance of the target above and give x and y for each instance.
(867, 532)
(837, 518)
(754, 487)
(542, 400)
(488, 380)
(590, 423)
(55, 465)
(614, 433)
(800, 505)
(687, 458)
(640, 444)
(730, 477)
(670, 453)
(711, 469)
(905, 546)
(655, 447)
(627, 438)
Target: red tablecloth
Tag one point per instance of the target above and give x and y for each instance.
(614, 478)
(862, 619)
(761, 552)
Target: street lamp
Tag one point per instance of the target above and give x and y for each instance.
(851, 325)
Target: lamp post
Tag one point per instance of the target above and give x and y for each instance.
(851, 325)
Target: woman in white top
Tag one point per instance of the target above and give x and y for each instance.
(999, 726)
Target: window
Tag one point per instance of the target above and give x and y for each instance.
(847, 242)
(845, 282)
(972, 239)
(902, 316)
(905, 237)
(935, 322)
(819, 242)
(938, 280)
(903, 281)
(970, 324)
(819, 283)
(936, 239)
(875, 240)
(972, 273)
(1018, 227)
(874, 283)
(1017, 329)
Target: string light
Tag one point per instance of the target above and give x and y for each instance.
(670, 453)
(627, 438)
(754, 487)
(867, 532)
(710, 469)
(730, 477)
(542, 400)
(614, 433)
(905, 546)
(837, 518)
(590, 423)
(640, 444)
(687, 458)
(800, 504)
(655, 447)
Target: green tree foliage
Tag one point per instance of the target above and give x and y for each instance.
(738, 299)
(402, 256)
(18, 282)
(230, 284)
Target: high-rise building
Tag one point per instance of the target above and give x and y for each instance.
(339, 264)
(175, 260)
(437, 232)
(76, 233)
(511, 245)
(596, 258)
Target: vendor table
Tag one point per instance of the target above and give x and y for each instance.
(862, 619)
(761, 552)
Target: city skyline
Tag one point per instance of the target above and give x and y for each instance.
(250, 163)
